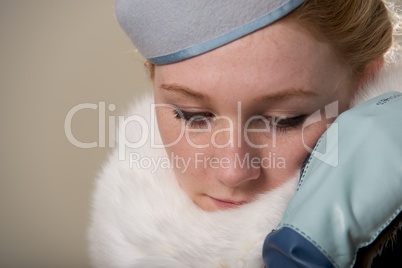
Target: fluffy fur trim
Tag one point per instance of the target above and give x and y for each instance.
(141, 217)
(389, 79)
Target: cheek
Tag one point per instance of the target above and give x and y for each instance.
(292, 148)
(181, 152)
(171, 128)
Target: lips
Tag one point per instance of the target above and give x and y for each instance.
(227, 204)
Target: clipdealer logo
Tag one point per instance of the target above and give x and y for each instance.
(147, 132)
(330, 154)
(111, 120)
(200, 160)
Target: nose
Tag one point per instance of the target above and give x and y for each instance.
(243, 164)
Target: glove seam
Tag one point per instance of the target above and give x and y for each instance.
(302, 178)
(378, 232)
(311, 240)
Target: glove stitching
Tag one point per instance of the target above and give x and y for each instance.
(379, 231)
(311, 240)
(308, 164)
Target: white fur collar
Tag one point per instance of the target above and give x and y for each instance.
(390, 79)
(143, 219)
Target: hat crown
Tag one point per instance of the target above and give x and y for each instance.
(170, 31)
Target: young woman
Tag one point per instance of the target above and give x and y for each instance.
(211, 157)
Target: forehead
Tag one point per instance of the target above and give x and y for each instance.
(280, 55)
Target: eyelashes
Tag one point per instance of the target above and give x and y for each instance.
(193, 119)
(284, 124)
(204, 119)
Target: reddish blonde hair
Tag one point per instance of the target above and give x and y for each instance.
(360, 31)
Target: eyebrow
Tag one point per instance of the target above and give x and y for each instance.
(286, 94)
(184, 91)
(277, 96)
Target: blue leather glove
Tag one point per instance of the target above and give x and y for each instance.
(339, 209)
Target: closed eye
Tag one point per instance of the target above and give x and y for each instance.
(193, 119)
(283, 124)
(203, 119)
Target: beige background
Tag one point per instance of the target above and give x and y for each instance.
(55, 54)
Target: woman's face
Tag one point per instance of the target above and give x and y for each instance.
(234, 119)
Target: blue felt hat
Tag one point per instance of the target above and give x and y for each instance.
(168, 31)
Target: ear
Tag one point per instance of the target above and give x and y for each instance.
(371, 70)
